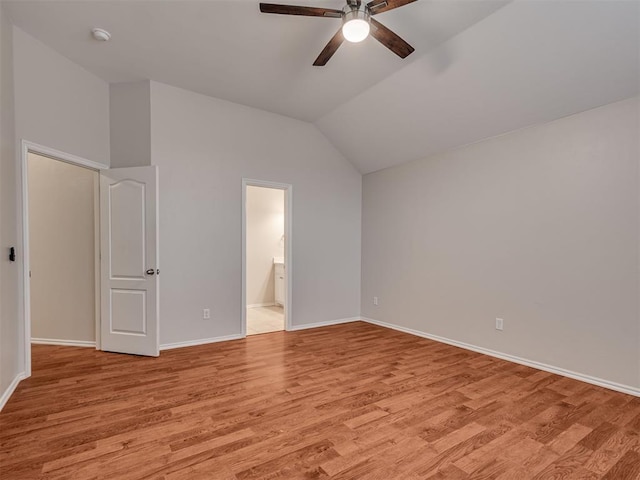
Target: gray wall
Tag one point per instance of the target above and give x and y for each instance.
(58, 103)
(49, 100)
(539, 227)
(204, 147)
(130, 123)
(11, 338)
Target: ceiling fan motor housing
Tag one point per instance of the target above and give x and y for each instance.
(352, 13)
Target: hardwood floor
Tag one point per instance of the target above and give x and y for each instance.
(352, 401)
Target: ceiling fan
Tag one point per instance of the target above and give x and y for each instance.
(357, 24)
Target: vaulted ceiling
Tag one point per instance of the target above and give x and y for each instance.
(481, 67)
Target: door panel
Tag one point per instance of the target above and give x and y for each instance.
(129, 280)
(128, 312)
(127, 224)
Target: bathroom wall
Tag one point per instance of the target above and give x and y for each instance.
(265, 240)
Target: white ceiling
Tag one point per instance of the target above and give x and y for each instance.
(480, 68)
(228, 49)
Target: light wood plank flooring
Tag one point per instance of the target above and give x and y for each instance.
(352, 401)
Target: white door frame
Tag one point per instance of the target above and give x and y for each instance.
(26, 148)
(288, 242)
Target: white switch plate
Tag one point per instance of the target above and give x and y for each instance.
(375, 300)
(206, 314)
(499, 324)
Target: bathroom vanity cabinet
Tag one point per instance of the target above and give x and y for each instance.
(279, 280)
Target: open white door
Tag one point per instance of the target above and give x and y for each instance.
(129, 260)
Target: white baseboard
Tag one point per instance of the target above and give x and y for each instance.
(65, 343)
(258, 305)
(324, 324)
(512, 358)
(10, 389)
(202, 341)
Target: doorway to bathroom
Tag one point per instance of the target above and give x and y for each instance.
(266, 257)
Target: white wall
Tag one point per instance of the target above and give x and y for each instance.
(539, 227)
(130, 123)
(265, 240)
(204, 147)
(62, 250)
(11, 355)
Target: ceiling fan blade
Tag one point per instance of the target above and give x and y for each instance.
(296, 10)
(379, 6)
(330, 49)
(390, 40)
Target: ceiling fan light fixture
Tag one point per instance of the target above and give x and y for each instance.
(356, 26)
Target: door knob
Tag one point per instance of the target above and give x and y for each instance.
(151, 271)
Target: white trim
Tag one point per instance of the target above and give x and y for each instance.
(259, 305)
(10, 389)
(26, 290)
(288, 250)
(202, 341)
(327, 323)
(63, 156)
(618, 387)
(97, 261)
(65, 343)
(25, 148)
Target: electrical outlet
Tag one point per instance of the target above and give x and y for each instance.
(206, 314)
(499, 324)
(375, 300)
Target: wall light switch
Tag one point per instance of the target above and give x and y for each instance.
(499, 323)
(375, 300)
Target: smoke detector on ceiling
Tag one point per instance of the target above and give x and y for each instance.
(100, 34)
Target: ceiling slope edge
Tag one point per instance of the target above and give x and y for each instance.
(526, 64)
